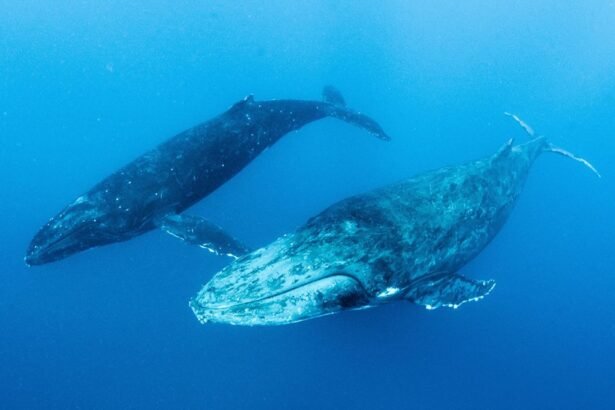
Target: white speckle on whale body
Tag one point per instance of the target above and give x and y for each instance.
(390, 291)
(203, 246)
(350, 227)
(80, 200)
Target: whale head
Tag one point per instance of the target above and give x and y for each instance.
(81, 225)
(276, 285)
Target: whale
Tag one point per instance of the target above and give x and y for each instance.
(156, 188)
(403, 242)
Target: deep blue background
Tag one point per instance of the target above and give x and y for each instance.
(86, 86)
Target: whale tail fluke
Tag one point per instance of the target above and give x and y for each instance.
(552, 148)
(333, 96)
(529, 130)
(548, 147)
(337, 109)
(360, 120)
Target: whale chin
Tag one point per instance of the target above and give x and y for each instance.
(47, 247)
(35, 257)
(321, 297)
(73, 230)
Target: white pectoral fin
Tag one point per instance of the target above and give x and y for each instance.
(450, 290)
(196, 230)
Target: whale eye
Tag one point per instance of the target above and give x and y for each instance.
(350, 300)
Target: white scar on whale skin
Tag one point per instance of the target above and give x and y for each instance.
(390, 291)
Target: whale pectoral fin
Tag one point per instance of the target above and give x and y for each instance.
(449, 290)
(199, 231)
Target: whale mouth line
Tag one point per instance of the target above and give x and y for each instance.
(53, 245)
(67, 235)
(290, 290)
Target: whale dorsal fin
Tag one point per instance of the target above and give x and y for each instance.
(505, 150)
(246, 101)
(450, 290)
(196, 230)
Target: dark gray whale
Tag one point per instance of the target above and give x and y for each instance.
(402, 242)
(155, 188)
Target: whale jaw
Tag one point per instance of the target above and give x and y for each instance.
(320, 297)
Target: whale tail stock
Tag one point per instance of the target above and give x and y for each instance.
(337, 108)
(548, 147)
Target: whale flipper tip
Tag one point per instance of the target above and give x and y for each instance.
(198, 231)
(449, 291)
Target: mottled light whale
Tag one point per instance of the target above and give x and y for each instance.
(402, 242)
(154, 189)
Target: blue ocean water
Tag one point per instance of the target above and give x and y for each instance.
(86, 86)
